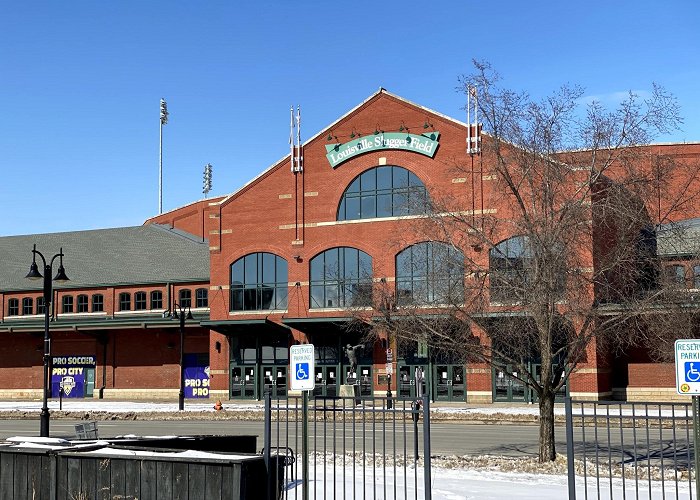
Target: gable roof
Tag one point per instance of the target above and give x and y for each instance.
(107, 257)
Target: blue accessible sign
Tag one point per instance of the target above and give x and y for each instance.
(688, 367)
(303, 364)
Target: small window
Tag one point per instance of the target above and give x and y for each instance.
(27, 306)
(13, 307)
(675, 275)
(40, 305)
(83, 305)
(67, 304)
(696, 277)
(140, 301)
(124, 301)
(157, 299)
(185, 296)
(202, 297)
(98, 303)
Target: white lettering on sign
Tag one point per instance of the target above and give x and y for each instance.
(302, 363)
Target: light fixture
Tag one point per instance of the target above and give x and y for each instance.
(427, 124)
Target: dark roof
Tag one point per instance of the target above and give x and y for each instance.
(124, 255)
(679, 239)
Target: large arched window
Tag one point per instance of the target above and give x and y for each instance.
(387, 191)
(430, 273)
(508, 269)
(341, 277)
(259, 282)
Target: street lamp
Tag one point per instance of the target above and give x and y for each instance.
(60, 277)
(179, 313)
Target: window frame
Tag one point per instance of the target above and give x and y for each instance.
(184, 296)
(156, 296)
(40, 305)
(264, 282)
(27, 304)
(97, 305)
(124, 299)
(344, 288)
(67, 304)
(140, 301)
(201, 297)
(82, 302)
(363, 198)
(424, 288)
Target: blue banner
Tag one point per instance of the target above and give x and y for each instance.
(196, 378)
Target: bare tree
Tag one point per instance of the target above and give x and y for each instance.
(562, 262)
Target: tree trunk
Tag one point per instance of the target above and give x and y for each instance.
(547, 447)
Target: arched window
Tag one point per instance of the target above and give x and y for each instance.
(83, 306)
(430, 273)
(140, 301)
(98, 303)
(156, 299)
(27, 306)
(341, 277)
(202, 297)
(185, 298)
(259, 282)
(386, 191)
(125, 301)
(67, 304)
(13, 307)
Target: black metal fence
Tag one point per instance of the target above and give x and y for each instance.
(364, 448)
(629, 450)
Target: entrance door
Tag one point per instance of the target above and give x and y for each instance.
(89, 381)
(363, 378)
(274, 380)
(450, 384)
(326, 378)
(407, 380)
(243, 382)
(507, 388)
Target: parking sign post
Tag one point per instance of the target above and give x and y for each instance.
(302, 361)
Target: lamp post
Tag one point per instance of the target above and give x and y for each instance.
(60, 277)
(179, 313)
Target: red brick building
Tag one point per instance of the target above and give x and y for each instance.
(281, 261)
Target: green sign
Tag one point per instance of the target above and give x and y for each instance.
(425, 144)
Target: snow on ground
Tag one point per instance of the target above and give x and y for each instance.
(88, 405)
(451, 484)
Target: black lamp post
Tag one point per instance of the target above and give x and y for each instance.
(179, 313)
(60, 277)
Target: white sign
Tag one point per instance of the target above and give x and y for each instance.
(303, 365)
(688, 367)
(389, 369)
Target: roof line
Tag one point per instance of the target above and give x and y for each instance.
(381, 90)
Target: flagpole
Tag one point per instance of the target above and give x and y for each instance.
(163, 121)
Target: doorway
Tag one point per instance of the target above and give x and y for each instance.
(243, 382)
(326, 381)
(450, 383)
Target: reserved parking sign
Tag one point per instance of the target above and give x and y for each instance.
(688, 367)
(302, 363)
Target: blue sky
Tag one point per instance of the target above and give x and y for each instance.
(80, 84)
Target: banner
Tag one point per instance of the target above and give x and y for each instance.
(69, 374)
(425, 144)
(196, 378)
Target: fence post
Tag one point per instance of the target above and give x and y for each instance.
(267, 439)
(426, 447)
(570, 448)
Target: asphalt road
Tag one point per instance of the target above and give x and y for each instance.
(446, 438)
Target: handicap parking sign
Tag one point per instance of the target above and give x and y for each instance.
(688, 367)
(303, 364)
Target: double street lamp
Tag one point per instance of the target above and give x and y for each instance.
(60, 277)
(179, 313)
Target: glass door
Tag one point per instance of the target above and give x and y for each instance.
(326, 378)
(274, 380)
(243, 382)
(363, 378)
(409, 380)
(507, 388)
(450, 384)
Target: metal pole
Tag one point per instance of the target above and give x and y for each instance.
(426, 448)
(305, 445)
(267, 439)
(389, 402)
(570, 448)
(160, 171)
(44, 418)
(181, 394)
(696, 443)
